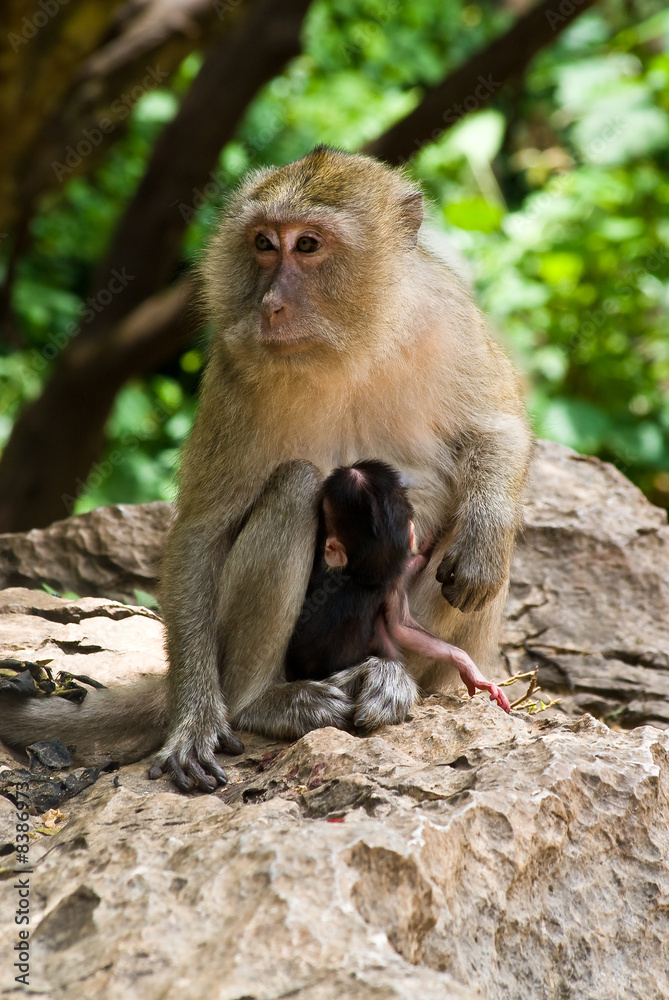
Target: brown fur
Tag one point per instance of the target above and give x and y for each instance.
(399, 368)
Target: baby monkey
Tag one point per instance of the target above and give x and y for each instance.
(356, 604)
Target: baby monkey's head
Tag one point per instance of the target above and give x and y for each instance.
(368, 521)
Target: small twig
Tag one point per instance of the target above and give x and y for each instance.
(525, 702)
(517, 677)
(533, 708)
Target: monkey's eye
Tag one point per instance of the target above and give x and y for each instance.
(262, 243)
(307, 244)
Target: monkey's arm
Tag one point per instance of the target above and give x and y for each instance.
(491, 474)
(398, 628)
(414, 639)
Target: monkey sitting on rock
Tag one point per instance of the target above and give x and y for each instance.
(337, 334)
(356, 609)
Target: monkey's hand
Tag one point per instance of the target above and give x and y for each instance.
(469, 579)
(474, 679)
(191, 762)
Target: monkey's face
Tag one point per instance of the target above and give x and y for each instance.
(290, 259)
(308, 261)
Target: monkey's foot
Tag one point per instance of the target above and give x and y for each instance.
(195, 767)
(290, 710)
(383, 692)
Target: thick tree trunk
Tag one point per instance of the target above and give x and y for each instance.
(41, 478)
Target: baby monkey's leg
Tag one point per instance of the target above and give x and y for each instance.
(411, 637)
(404, 632)
(383, 692)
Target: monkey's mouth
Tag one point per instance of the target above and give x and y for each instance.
(283, 345)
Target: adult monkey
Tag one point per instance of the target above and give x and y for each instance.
(337, 337)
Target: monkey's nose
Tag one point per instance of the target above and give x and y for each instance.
(273, 318)
(270, 306)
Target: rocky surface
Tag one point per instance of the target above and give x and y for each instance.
(589, 599)
(109, 552)
(465, 854)
(112, 642)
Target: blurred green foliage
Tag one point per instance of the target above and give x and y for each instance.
(554, 199)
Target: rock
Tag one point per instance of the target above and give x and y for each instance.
(465, 854)
(112, 642)
(589, 599)
(108, 552)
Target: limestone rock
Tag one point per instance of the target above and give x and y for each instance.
(108, 552)
(465, 854)
(112, 642)
(589, 599)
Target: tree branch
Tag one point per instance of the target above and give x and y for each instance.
(143, 48)
(472, 85)
(39, 480)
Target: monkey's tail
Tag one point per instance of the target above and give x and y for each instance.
(123, 724)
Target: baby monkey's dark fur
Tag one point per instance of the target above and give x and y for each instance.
(356, 607)
(367, 510)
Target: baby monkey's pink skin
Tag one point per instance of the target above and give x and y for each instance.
(398, 629)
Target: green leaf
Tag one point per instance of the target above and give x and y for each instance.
(475, 213)
(561, 268)
(575, 423)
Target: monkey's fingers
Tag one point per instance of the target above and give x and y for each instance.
(183, 783)
(471, 687)
(205, 782)
(465, 588)
(192, 774)
(468, 595)
(177, 775)
(204, 772)
(230, 744)
(496, 694)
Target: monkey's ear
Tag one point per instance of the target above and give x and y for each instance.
(335, 553)
(412, 216)
(413, 545)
